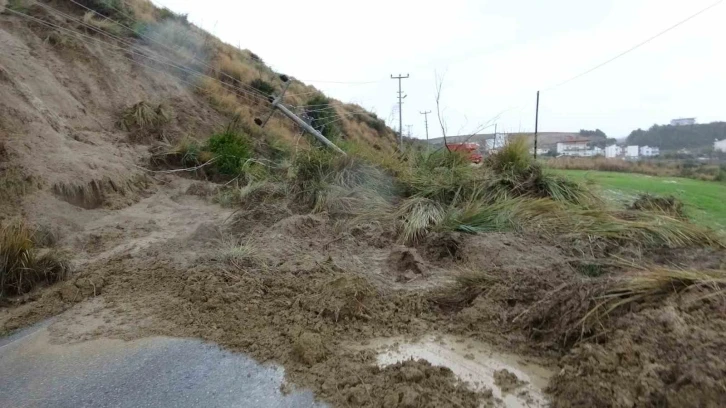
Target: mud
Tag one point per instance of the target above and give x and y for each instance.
(476, 363)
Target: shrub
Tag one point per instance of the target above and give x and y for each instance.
(231, 149)
(263, 86)
(22, 266)
(513, 157)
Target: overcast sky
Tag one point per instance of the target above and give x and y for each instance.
(495, 55)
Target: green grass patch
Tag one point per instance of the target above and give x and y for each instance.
(705, 201)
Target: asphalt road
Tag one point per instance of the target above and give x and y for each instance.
(152, 372)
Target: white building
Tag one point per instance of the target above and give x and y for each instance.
(632, 151)
(647, 151)
(573, 148)
(613, 151)
(719, 145)
(683, 122)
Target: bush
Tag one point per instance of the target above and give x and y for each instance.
(263, 86)
(22, 266)
(231, 150)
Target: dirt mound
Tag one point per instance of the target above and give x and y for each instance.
(666, 356)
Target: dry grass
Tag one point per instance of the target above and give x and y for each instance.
(670, 206)
(467, 286)
(102, 24)
(651, 284)
(144, 116)
(22, 266)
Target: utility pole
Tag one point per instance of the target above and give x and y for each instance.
(536, 123)
(400, 110)
(277, 104)
(426, 121)
(409, 130)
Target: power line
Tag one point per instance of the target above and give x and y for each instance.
(139, 51)
(108, 45)
(341, 82)
(248, 87)
(637, 45)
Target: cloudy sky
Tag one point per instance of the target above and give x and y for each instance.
(494, 56)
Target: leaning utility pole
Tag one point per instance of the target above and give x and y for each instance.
(536, 123)
(426, 121)
(277, 104)
(400, 110)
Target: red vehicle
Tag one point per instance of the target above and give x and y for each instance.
(471, 150)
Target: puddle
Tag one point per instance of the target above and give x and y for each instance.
(473, 362)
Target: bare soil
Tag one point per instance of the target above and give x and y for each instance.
(149, 253)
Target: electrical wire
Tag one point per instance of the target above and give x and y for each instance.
(248, 87)
(139, 51)
(74, 33)
(636, 46)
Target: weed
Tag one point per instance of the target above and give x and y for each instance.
(22, 266)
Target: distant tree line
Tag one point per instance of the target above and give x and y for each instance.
(667, 137)
(597, 132)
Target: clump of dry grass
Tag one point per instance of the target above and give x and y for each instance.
(22, 266)
(144, 116)
(467, 286)
(669, 205)
(653, 283)
(102, 24)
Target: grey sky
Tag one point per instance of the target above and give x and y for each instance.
(495, 55)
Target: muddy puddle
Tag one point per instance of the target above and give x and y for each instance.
(514, 383)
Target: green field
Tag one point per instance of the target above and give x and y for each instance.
(705, 200)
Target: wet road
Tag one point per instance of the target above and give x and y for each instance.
(152, 372)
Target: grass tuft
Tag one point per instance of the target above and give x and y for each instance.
(22, 266)
(670, 205)
(145, 117)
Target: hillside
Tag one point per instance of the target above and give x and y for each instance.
(68, 74)
(667, 137)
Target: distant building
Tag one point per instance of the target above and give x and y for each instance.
(647, 151)
(572, 148)
(613, 151)
(719, 145)
(632, 151)
(683, 122)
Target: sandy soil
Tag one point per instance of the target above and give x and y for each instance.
(154, 256)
